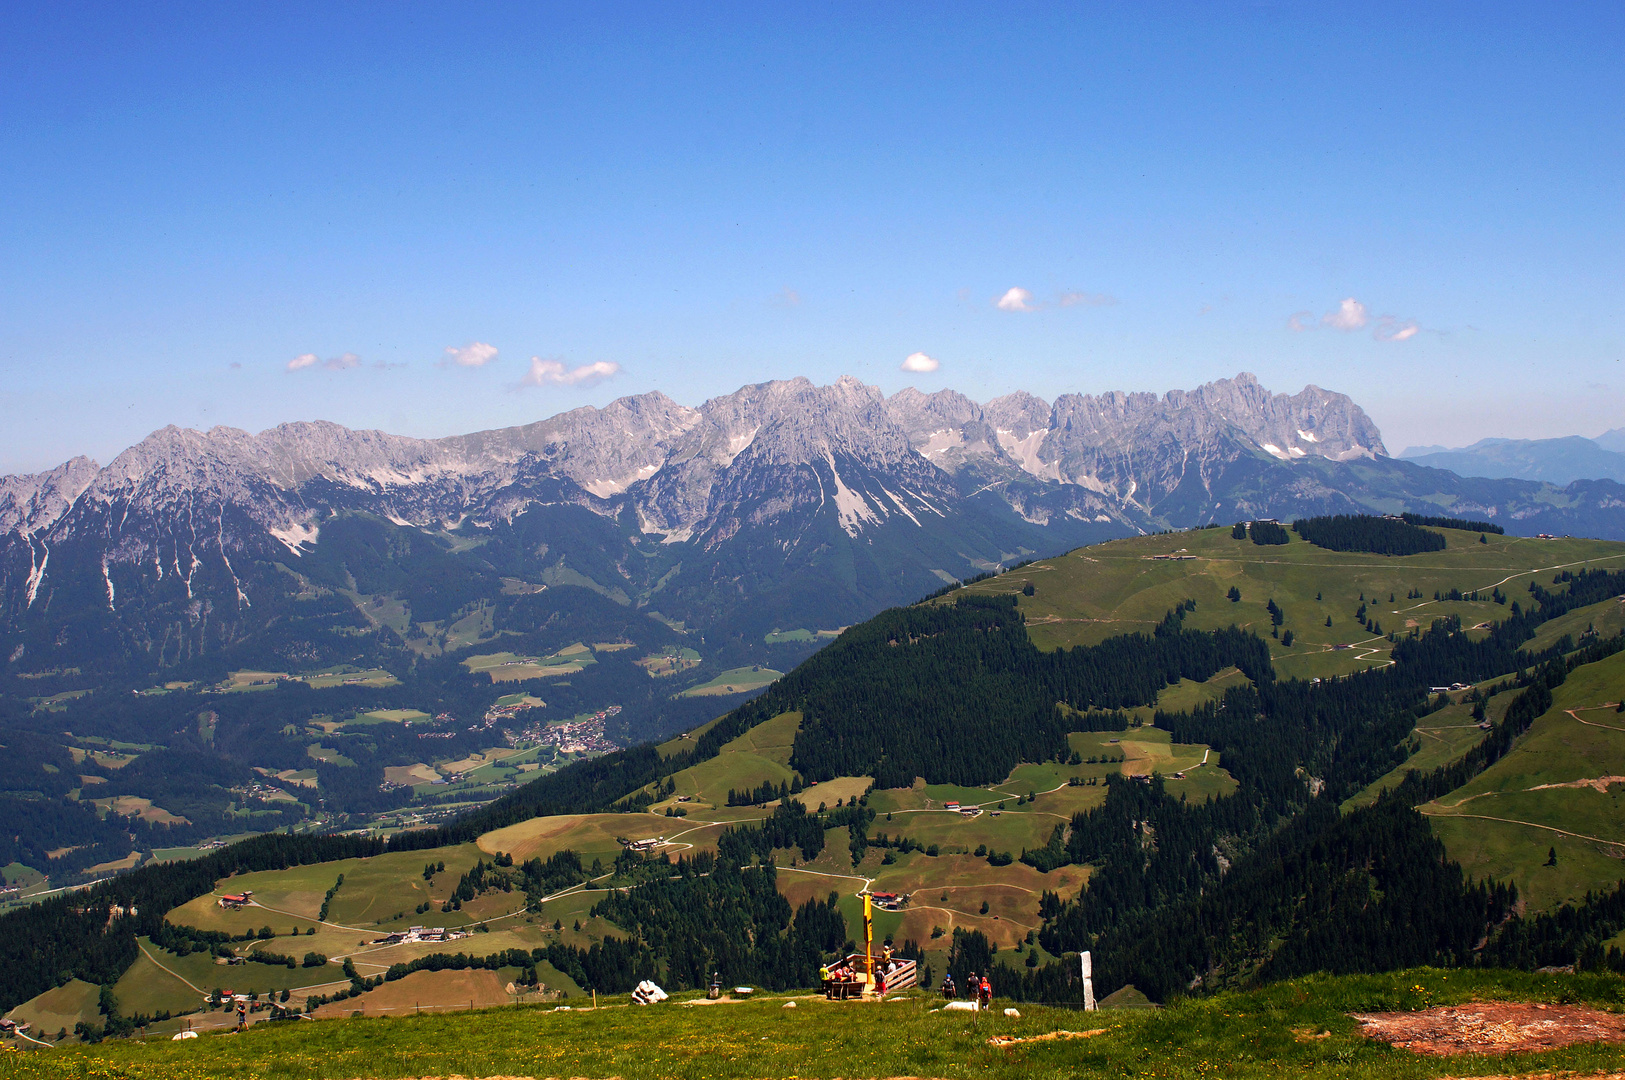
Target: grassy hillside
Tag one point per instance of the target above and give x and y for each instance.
(1124, 586)
(1561, 787)
(59, 1009)
(1303, 1027)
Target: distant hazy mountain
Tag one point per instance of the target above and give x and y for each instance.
(782, 505)
(1555, 461)
(1612, 440)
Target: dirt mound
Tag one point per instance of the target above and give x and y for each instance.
(1492, 1028)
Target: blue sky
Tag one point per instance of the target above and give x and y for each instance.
(686, 198)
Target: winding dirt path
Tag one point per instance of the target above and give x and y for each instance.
(1533, 825)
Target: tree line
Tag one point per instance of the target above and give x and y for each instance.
(1362, 532)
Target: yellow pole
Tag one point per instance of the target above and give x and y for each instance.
(869, 940)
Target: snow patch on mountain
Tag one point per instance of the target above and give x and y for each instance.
(851, 508)
(296, 534)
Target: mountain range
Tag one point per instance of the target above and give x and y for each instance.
(782, 505)
(1552, 461)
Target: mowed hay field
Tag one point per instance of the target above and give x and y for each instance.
(1117, 587)
(428, 990)
(511, 667)
(59, 1009)
(1562, 786)
(588, 835)
(734, 681)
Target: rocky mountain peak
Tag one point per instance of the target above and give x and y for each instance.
(32, 502)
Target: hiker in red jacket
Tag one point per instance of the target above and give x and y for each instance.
(985, 994)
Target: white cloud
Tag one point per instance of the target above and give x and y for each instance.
(919, 362)
(1392, 329)
(1016, 299)
(474, 354)
(553, 371)
(1350, 315)
(1085, 299)
(332, 363)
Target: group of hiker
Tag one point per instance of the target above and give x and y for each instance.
(842, 981)
(977, 988)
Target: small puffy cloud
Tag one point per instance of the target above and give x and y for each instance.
(546, 371)
(332, 363)
(921, 363)
(1350, 315)
(1392, 329)
(1016, 299)
(1085, 299)
(786, 297)
(474, 354)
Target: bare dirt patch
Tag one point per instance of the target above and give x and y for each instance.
(1013, 1040)
(1493, 1028)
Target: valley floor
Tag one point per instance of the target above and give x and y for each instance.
(1305, 1027)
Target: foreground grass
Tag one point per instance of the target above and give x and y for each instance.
(1271, 1032)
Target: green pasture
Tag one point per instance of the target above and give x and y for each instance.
(800, 634)
(387, 716)
(1118, 587)
(292, 898)
(349, 676)
(512, 667)
(327, 754)
(1562, 785)
(60, 1008)
(162, 981)
(761, 755)
(592, 836)
(1186, 695)
(673, 661)
(1442, 737)
(471, 629)
(1606, 618)
(734, 681)
(252, 680)
(680, 744)
(1008, 830)
(382, 611)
